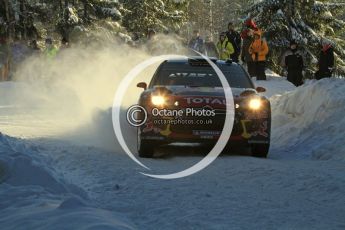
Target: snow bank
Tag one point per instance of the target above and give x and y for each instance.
(34, 196)
(309, 122)
(275, 84)
(39, 193)
(99, 132)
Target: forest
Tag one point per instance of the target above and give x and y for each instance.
(307, 21)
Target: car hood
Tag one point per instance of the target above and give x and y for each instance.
(204, 91)
(199, 96)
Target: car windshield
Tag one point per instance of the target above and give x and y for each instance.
(201, 77)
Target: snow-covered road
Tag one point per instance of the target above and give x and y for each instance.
(53, 183)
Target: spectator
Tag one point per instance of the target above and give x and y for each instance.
(248, 37)
(259, 50)
(35, 49)
(225, 48)
(34, 45)
(326, 61)
(293, 63)
(19, 52)
(197, 43)
(152, 45)
(151, 34)
(235, 39)
(210, 47)
(50, 51)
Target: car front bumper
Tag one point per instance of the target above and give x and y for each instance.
(245, 131)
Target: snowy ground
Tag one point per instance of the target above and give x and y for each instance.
(50, 183)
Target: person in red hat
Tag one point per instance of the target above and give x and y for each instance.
(326, 61)
(247, 38)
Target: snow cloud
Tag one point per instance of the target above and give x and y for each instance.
(77, 88)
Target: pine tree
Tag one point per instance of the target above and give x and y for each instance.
(34, 19)
(160, 15)
(213, 16)
(308, 22)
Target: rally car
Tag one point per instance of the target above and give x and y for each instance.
(185, 103)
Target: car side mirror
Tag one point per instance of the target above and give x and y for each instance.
(142, 85)
(260, 89)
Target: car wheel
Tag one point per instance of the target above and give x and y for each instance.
(146, 148)
(260, 150)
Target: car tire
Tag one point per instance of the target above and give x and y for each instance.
(260, 150)
(146, 149)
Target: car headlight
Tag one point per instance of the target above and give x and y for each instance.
(158, 100)
(255, 104)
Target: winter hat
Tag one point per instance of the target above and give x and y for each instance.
(251, 24)
(325, 41)
(326, 44)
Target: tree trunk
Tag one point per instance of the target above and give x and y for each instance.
(85, 9)
(60, 5)
(22, 19)
(8, 20)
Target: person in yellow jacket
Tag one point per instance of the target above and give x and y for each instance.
(50, 51)
(259, 50)
(224, 47)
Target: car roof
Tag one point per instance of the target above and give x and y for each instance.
(199, 59)
(188, 63)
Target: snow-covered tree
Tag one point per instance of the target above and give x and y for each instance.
(212, 16)
(87, 13)
(309, 22)
(40, 18)
(160, 15)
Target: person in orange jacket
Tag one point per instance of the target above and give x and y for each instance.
(259, 50)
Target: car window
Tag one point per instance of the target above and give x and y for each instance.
(201, 77)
